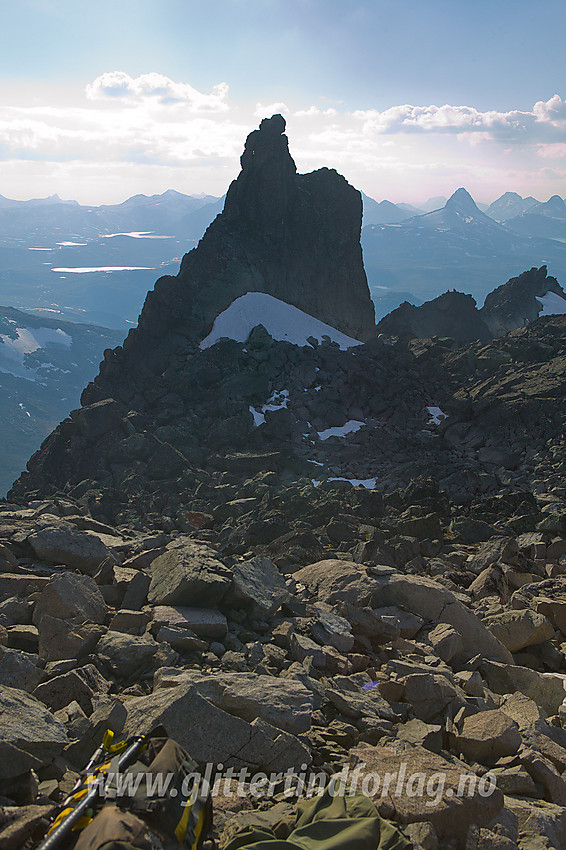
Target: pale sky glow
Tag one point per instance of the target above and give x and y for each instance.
(406, 99)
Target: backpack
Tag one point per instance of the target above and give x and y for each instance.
(142, 794)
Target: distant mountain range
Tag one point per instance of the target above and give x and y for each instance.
(460, 247)
(95, 264)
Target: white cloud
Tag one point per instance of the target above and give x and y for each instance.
(266, 111)
(315, 112)
(170, 135)
(552, 151)
(545, 121)
(157, 88)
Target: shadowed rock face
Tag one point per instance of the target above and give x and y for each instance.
(293, 236)
(515, 304)
(453, 314)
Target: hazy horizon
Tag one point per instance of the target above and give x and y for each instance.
(410, 202)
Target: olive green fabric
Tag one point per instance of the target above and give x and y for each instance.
(328, 823)
(114, 829)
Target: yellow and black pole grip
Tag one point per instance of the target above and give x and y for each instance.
(79, 808)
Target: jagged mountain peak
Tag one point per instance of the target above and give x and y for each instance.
(462, 201)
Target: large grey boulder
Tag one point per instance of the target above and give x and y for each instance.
(65, 544)
(430, 695)
(69, 596)
(19, 669)
(188, 573)
(27, 724)
(211, 735)
(15, 611)
(336, 582)
(546, 689)
(126, 654)
(425, 787)
(79, 685)
(488, 736)
(519, 629)
(358, 704)
(61, 639)
(541, 824)
(436, 603)
(19, 823)
(329, 629)
(497, 550)
(14, 762)
(284, 703)
(258, 586)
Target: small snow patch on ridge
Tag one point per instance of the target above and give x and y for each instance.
(282, 321)
(552, 304)
(349, 427)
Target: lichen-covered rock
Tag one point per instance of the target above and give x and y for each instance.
(433, 602)
(26, 723)
(19, 669)
(65, 544)
(212, 735)
(286, 704)
(258, 586)
(188, 574)
(69, 596)
(126, 654)
(425, 787)
(487, 736)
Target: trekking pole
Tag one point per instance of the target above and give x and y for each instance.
(78, 809)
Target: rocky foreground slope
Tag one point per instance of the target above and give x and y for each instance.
(336, 555)
(348, 627)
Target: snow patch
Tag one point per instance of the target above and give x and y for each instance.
(259, 418)
(552, 304)
(277, 401)
(436, 415)
(28, 340)
(349, 427)
(282, 321)
(368, 483)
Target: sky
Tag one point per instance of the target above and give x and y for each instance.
(407, 98)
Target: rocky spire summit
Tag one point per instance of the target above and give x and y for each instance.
(293, 236)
